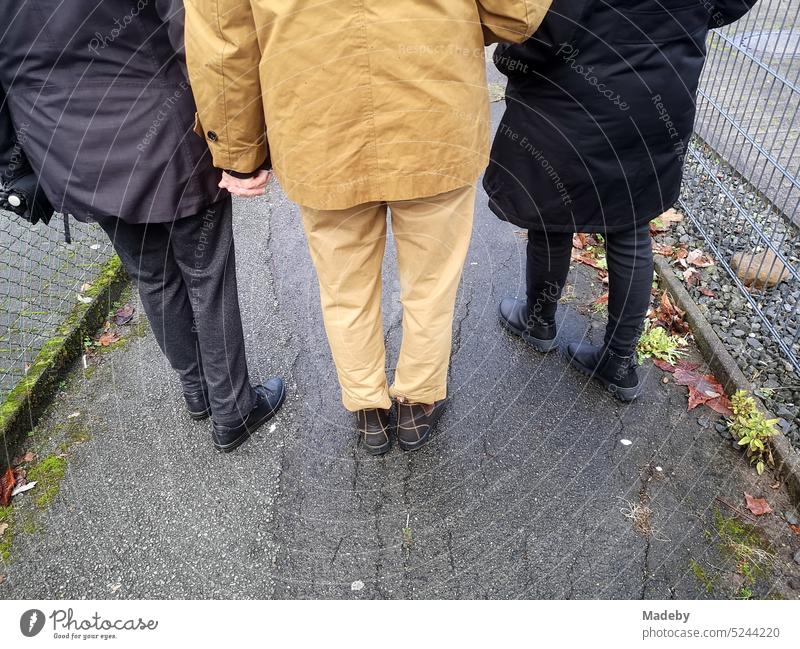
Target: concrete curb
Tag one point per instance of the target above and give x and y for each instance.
(23, 406)
(724, 367)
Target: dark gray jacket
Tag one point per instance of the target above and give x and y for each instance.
(94, 98)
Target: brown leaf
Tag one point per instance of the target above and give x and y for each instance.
(124, 315)
(663, 365)
(691, 276)
(25, 459)
(663, 249)
(704, 290)
(665, 221)
(603, 299)
(109, 338)
(795, 529)
(7, 482)
(704, 389)
(699, 258)
(579, 240)
(670, 316)
(682, 365)
(671, 216)
(585, 258)
(757, 506)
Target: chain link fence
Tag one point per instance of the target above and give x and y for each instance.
(41, 278)
(741, 190)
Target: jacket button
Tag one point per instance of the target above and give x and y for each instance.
(212, 136)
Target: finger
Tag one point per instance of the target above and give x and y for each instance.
(251, 183)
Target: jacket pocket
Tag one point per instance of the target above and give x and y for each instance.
(654, 21)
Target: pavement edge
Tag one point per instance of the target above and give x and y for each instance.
(724, 367)
(26, 402)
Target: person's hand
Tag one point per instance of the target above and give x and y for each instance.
(246, 187)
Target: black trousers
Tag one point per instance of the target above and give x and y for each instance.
(186, 275)
(630, 276)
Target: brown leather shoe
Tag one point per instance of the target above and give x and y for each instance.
(415, 423)
(373, 430)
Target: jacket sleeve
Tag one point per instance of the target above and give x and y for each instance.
(13, 163)
(171, 14)
(556, 32)
(223, 56)
(511, 21)
(728, 11)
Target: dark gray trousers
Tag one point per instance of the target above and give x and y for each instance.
(186, 275)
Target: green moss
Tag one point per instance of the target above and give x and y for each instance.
(745, 546)
(702, 576)
(48, 474)
(41, 378)
(7, 538)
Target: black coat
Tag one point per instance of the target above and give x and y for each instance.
(94, 98)
(599, 111)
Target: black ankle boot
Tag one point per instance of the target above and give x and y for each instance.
(373, 429)
(269, 398)
(617, 373)
(515, 316)
(197, 404)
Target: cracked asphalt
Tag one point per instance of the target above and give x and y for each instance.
(523, 492)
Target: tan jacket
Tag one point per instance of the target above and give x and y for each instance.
(361, 100)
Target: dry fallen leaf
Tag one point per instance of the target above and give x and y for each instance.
(704, 389)
(680, 365)
(757, 506)
(3, 528)
(109, 338)
(124, 315)
(704, 290)
(663, 249)
(579, 240)
(7, 482)
(699, 258)
(795, 529)
(691, 276)
(670, 316)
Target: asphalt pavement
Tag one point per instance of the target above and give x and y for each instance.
(537, 484)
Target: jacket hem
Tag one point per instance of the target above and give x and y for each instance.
(386, 188)
(512, 217)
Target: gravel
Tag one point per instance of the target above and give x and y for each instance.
(737, 322)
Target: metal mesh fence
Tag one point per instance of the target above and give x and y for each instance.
(41, 278)
(741, 188)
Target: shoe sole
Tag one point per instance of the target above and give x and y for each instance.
(378, 450)
(623, 394)
(539, 344)
(232, 446)
(199, 416)
(418, 444)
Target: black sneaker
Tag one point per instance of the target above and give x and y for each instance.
(269, 398)
(373, 430)
(415, 423)
(515, 317)
(617, 373)
(197, 404)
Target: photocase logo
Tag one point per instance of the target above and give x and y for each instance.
(31, 622)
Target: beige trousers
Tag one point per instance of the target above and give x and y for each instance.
(347, 246)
